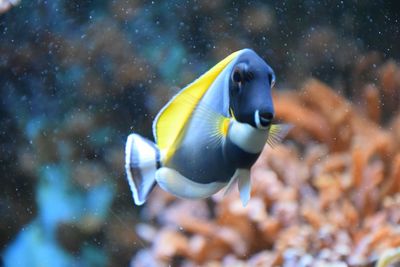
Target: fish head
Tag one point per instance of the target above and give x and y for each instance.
(250, 99)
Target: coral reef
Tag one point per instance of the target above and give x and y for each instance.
(76, 77)
(330, 195)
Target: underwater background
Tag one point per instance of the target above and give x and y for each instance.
(76, 77)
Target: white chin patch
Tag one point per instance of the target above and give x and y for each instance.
(248, 138)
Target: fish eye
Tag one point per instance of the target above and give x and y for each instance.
(237, 75)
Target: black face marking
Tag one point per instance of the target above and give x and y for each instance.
(241, 73)
(250, 90)
(266, 119)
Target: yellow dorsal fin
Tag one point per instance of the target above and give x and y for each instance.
(172, 119)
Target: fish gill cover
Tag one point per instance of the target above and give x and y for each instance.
(77, 76)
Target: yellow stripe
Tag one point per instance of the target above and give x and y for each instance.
(172, 119)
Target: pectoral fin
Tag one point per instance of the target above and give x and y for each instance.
(277, 132)
(244, 185)
(389, 257)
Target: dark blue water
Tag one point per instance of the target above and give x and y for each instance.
(76, 77)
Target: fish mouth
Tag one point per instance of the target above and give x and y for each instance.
(263, 120)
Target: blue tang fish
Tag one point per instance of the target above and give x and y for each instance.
(209, 135)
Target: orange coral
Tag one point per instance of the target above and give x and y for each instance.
(335, 201)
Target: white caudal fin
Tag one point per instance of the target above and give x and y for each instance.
(142, 159)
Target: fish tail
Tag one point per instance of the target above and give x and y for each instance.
(142, 159)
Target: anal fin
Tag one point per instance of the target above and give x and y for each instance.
(231, 183)
(244, 185)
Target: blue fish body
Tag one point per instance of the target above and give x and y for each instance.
(210, 134)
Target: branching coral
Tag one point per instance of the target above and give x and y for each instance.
(329, 195)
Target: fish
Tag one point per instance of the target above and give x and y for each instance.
(208, 135)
